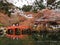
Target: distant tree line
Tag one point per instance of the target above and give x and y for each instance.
(26, 8)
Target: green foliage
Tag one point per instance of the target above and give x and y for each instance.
(19, 8)
(35, 10)
(26, 8)
(58, 3)
(5, 7)
(50, 1)
(39, 4)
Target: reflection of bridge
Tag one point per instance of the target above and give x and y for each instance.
(18, 31)
(15, 31)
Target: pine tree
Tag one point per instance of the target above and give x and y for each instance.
(38, 4)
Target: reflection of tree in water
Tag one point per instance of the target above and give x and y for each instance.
(53, 23)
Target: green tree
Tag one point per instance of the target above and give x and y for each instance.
(5, 7)
(26, 8)
(39, 4)
(54, 3)
(50, 1)
(58, 3)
